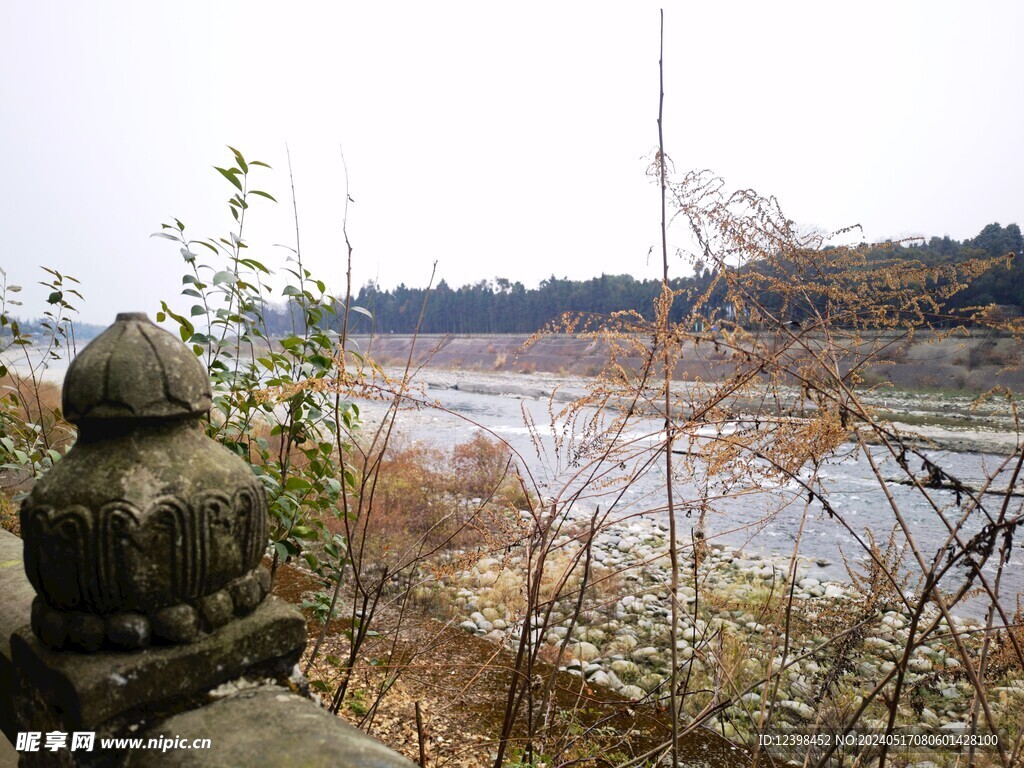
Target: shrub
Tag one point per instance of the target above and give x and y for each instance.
(33, 432)
(277, 402)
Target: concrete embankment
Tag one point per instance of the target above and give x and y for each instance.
(955, 364)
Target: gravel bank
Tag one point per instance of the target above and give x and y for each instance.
(729, 635)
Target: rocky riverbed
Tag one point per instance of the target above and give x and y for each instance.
(731, 646)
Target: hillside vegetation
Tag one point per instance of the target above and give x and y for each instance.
(502, 306)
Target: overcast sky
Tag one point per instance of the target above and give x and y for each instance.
(501, 140)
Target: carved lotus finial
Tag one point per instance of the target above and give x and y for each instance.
(147, 530)
(135, 370)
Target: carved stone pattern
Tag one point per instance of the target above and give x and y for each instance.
(122, 558)
(135, 369)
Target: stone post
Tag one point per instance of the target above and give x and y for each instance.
(144, 545)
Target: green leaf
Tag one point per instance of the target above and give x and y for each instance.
(186, 329)
(261, 193)
(225, 277)
(55, 297)
(230, 176)
(297, 484)
(239, 159)
(165, 236)
(291, 290)
(198, 309)
(311, 560)
(362, 311)
(321, 362)
(253, 264)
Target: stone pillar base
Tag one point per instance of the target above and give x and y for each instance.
(119, 693)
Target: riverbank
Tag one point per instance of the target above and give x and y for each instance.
(734, 647)
(951, 366)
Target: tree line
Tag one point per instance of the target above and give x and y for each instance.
(503, 306)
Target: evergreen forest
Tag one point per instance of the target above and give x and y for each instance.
(503, 306)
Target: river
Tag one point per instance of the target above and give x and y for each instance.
(768, 522)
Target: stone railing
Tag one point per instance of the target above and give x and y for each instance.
(139, 608)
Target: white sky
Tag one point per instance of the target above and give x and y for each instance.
(501, 140)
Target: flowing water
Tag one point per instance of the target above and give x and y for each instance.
(767, 522)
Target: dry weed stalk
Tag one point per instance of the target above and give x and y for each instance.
(796, 324)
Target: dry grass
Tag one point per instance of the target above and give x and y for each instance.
(31, 417)
(418, 499)
(9, 519)
(30, 401)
